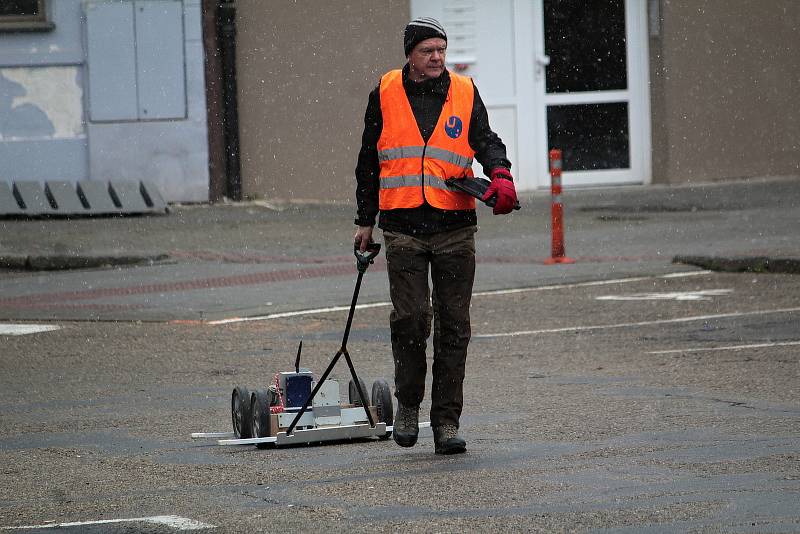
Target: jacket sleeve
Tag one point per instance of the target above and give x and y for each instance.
(489, 148)
(368, 168)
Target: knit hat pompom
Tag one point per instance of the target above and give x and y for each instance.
(419, 29)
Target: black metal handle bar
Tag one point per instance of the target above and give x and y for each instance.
(365, 259)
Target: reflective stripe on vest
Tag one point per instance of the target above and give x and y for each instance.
(431, 152)
(412, 172)
(413, 180)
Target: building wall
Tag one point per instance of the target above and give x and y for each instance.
(42, 128)
(171, 153)
(49, 128)
(726, 80)
(304, 73)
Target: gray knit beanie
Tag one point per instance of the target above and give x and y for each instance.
(419, 29)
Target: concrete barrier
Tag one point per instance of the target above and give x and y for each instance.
(86, 198)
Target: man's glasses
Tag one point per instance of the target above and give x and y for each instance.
(427, 52)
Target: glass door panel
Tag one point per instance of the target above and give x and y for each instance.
(591, 136)
(589, 87)
(586, 45)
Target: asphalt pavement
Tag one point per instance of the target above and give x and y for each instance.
(625, 392)
(214, 262)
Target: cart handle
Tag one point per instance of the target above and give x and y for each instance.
(364, 259)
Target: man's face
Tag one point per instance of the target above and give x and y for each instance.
(426, 60)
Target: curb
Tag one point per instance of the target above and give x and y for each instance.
(62, 262)
(753, 264)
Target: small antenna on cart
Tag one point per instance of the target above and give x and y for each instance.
(297, 360)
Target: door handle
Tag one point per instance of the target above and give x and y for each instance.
(542, 61)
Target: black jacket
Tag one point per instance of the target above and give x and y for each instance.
(426, 99)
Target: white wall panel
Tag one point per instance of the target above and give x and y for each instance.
(504, 123)
(111, 61)
(160, 60)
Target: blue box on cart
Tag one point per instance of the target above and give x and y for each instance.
(296, 387)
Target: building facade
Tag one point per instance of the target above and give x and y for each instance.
(104, 90)
(266, 98)
(632, 91)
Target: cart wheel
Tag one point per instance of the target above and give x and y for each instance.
(261, 422)
(382, 400)
(240, 412)
(353, 392)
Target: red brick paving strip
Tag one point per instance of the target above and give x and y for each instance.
(188, 285)
(253, 279)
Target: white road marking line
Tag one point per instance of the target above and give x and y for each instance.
(476, 294)
(681, 274)
(704, 294)
(173, 521)
(299, 312)
(729, 347)
(23, 329)
(589, 284)
(628, 325)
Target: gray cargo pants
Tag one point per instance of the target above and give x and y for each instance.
(451, 257)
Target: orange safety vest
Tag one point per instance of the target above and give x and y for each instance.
(413, 171)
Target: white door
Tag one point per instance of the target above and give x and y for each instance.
(591, 100)
(590, 90)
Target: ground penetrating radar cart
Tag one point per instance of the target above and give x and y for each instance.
(297, 409)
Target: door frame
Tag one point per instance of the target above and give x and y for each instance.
(532, 110)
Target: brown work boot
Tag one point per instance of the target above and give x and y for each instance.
(406, 425)
(447, 441)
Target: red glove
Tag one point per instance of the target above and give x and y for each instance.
(503, 186)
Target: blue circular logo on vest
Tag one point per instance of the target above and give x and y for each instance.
(453, 127)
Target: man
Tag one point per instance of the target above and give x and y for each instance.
(424, 124)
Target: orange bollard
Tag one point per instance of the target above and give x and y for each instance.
(556, 212)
